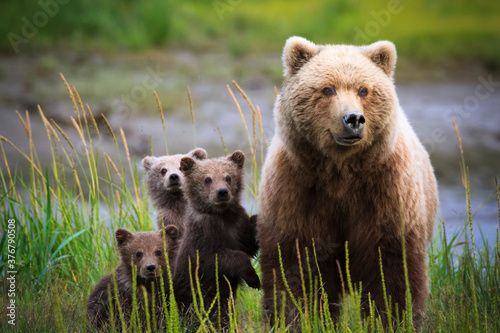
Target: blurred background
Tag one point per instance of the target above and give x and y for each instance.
(117, 52)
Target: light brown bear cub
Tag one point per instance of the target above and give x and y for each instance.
(345, 166)
(217, 225)
(165, 186)
(147, 252)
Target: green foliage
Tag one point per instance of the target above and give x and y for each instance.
(65, 217)
(424, 30)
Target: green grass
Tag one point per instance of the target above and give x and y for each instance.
(423, 30)
(66, 214)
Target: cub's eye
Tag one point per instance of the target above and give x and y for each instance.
(139, 254)
(163, 171)
(228, 179)
(362, 92)
(208, 181)
(158, 253)
(329, 91)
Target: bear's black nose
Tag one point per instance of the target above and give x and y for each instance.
(174, 178)
(151, 267)
(354, 121)
(222, 193)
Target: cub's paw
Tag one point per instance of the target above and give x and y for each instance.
(253, 221)
(252, 280)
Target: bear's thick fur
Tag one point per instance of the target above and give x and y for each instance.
(164, 181)
(217, 224)
(147, 252)
(345, 166)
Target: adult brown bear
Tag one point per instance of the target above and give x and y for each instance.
(345, 166)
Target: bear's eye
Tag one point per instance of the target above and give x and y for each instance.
(329, 91)
(208, 181)
(163, 171)
(139, 254)
(158, 253)
(228, 179)
(362, 92)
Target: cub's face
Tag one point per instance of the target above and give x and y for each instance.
(146, 250)
(337, 97)
(214, 184)
(163, 173)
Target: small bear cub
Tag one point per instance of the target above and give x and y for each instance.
(217, 224)
(165, 186)
(146, 250)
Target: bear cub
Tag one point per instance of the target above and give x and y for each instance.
(165, 186)
(217, 224)
(146, 249)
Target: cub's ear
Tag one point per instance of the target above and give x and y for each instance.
(147, 162)
(383, 55)
(172, 231)
(187, 165)
(238, 157)
(123, 236)
(296, 53)
(198, 153)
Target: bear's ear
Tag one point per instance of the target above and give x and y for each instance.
(383, 55)
(187, 165)
(123, 236)
(147, 162)
(238, 157)
(198, 153)
(297, 52)
(172, 231)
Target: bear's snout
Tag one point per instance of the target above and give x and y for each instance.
(222, 194)
(174, 178)
(354, 122)
(352, 131)
(172, 182)
(151, 267)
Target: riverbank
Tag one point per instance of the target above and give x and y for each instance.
(121, 88)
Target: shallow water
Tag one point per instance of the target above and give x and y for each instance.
(430, 107)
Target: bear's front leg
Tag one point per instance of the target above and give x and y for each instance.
(276, 278)
(273, 283)
(248, 236)
(235, 263)
(365, 268)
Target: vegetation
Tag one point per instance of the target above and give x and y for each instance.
(65, 214)
(423, 30)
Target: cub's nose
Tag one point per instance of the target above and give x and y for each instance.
(174, 178)
(222, 193)
(354, 121)
(151, 267)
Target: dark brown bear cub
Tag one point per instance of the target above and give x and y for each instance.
(217, 225)
(147, 252)
(165, 186)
